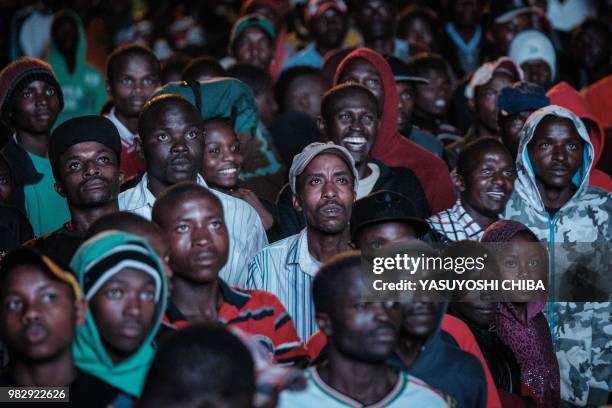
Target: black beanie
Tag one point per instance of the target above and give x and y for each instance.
(81, 129)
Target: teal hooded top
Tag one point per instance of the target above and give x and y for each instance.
(84, 89)
(89, 353)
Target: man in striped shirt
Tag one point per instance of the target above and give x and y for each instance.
(191, 218)
(485, 180)
(324, 182)
(172, 140)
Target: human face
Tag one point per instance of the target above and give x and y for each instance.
(489, 184)
(485, 100)
(407, 94)
(360, 71)
(124, 310)
(354, 124)
(329, 28)
(433, 98)
(419, 34)
(222, 158)
(555, 152)
(377, 235)
(173, 145)
(377, 19)
(465, 13)
(267, 106)
(523, 258)
(510, 130)
(478, 311)
(325, 194)
(134, 79)
(6, 185)
(66, 36)
(199, 243)
(36, 108)
(504, 33)
(420, 317)
(90, 175)
(537, 71)
(364, 331)
(38, 315)
(253, 46)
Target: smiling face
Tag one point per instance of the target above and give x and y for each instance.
(556, 152)
(124, 310)
(35, 108)
(487, 186)
(134, 79)
(364, 331)
(172, 142)
(90, 175)
(199, 242)
(38, 314)
(362, 72)
(222, 159)
(352, 122)
(325, 194)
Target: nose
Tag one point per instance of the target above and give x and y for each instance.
(381, 312)
(329, 190)
(41, 99)
(201, 236)
(133, 306)
(91, 168)
(559, 154)
(31, 314)
(179, 146)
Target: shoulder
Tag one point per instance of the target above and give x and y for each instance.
(417, 391)
(279, 247)
(235, 205)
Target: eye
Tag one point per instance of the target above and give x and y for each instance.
(314, 181)
(485, 172)
(372, 82)
(126, 81)
(509, 173)
(344, 116)
(181, 229)
(114, 293)
(361, 306)
(26, 94)
(149, 81)
(534, 262)
(216, 225)
(14, 304)
(510, 263)
(544, 146)
(214, 150)
(147, 295)
(73, 166)
(572, 146)
(191, 135)
(49, 298)
(50, 91)
(343, 180)
(368, 119)
(4, 180)
(162, 137)
(376, 245)
(235, 148)
(104, 159)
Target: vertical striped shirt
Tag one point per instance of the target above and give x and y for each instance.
(455, 224)
(247, 235)
(287, 269)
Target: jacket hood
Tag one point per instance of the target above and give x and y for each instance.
(387, 132)
(55, 57)
(563, 94)
(526, 184)
(89, 352)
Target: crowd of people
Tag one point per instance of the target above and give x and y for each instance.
(188, 191)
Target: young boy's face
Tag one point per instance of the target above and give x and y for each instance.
(490, 181)
(90, 175)
(123, 310)
(38, 314)
(222, 159)
(555, 152)
(134, 79)
(199, 244)
(6, 185)
(433, 98)
(36, 107)
(172, 144)
(485, 100)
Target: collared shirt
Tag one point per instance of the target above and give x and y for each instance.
(131, 162)
(258, 314)
(247, 235)
(455, 224)
(287, 269)
(408, 391)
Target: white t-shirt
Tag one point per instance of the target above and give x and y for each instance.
(366, 184)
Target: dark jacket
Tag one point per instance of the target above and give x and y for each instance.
(23, 172)
(400, 180)
(15, 229)
(60, 244)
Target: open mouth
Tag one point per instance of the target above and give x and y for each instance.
(35, 333)
(331, 210)
(496, 195)
(231, 171)
(355, 143)
(440, 103)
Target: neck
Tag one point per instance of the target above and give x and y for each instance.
(408, 349)
(363, 170)
(35, 143)
(82, 218)
(482, 131)
(382, 45)
(223, 189)
(365, 382)
(59, 372)
(155, 185)
(466, 33)
(197, 301)
(323, 246)
(484, 220)
(555, 197)
(130, 122)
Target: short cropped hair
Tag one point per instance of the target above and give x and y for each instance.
(128, 50)
(258, 79)
(465, 160)
(332, 278)
(338, 91)
(288, 80)
(175, 193)
(152, 107)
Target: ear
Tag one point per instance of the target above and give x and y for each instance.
(295, 200)
(324, 323)
(321, 125)
(458, 182)
(81, 308)
(59, 189)
(471, 104)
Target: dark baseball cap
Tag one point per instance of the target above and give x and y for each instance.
(402, 71)
(502, 11)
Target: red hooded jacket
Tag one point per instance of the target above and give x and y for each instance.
(395, 150)
(565, 96)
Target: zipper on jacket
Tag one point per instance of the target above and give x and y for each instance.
(551, 301)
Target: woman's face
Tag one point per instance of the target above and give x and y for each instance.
(221, 159)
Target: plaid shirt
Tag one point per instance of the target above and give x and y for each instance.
(455, 224)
